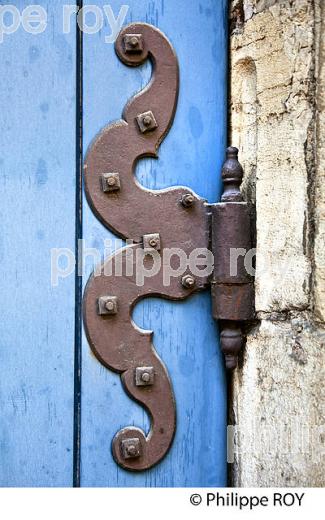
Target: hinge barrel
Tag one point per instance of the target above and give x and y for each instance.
(232, 287)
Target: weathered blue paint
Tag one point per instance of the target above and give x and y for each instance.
(38, 171)
(184, 334)
(37, 213)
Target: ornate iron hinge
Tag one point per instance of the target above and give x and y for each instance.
(158, 222)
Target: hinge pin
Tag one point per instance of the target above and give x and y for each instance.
(232, 292)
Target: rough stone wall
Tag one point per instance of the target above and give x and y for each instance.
(277, 120)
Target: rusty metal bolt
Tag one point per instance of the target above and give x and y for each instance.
(188, 281)
(131, 450)
(147, 121)
(134, 42)
(153, 242)
(109, 306)
(188, 200)
(111, 181)
(145, 377)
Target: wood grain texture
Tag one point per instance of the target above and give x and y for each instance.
(184, 333)
(37, 213)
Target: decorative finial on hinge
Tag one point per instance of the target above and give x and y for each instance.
(232, 175)
(231, 339)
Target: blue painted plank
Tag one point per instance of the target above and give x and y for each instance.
(184, 333)
(37, 213)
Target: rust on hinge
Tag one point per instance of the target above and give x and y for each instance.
(232, 286)
(157, 222)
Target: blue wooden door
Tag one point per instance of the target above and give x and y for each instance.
(59, 407)
(38, 185)
(184, 333)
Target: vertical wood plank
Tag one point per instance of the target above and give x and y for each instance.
(37, 213)
(184, 333)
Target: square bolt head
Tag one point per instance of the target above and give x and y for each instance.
(133, 43)
(146, 122)
(107, 305)
(131, 448)
(151, 241)
(110, 182)
(144, 376)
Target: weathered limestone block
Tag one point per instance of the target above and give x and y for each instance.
(319, 192)
(277, 120)
(271, 98)
(280, 405)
